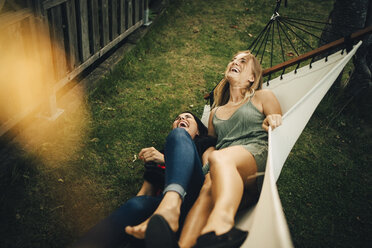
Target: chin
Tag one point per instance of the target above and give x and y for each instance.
(231, 76)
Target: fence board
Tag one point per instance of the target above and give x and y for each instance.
(1, 4)
(52, 3)
(143, 7)
(96, 56)
(114, 19)
(56, 28)
(122, 16)
(121, 36)
(84, 30)
(30, 33)
(12, 40)
(8, 19)
(45, 46)
(136, 10)
(94, 15)
(73, 52)
(12, 43)
(105, 31)
(129, 14)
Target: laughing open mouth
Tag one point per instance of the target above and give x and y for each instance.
(234, 69)
(183, 124)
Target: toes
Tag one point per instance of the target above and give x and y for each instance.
(139, 232)
(136, 231)
(129, 229)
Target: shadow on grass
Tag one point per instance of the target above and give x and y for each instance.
(21, 209)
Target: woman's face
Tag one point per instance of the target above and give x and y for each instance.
(187, 122)
(240, 70)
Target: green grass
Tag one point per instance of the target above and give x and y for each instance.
(324, 186)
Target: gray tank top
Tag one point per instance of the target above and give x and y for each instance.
(248, 133)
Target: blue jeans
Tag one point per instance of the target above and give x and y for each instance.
(183, 174)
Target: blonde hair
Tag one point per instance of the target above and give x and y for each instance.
(222, 93)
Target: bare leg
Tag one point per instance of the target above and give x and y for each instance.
(230, 169)
(146, 189)
(169, 208)
(198, 215)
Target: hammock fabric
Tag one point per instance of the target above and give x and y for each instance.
(299, 94)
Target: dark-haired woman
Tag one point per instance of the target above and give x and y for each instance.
(182, 158)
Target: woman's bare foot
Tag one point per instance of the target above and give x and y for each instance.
(137, 231)
(169, 208)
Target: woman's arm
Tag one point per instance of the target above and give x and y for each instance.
(210, 124)
(146, 189)
(151, 154)
(271, 109)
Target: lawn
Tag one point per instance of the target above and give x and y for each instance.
(84, 165)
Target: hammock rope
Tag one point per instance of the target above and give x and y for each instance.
(280, 40)
(293, 23)
(291, 28)
(272, 46)
(325, 23)
(266, 39)
(286, 35)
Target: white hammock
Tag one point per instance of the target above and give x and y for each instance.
(299, 94)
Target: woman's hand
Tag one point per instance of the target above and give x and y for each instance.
(273, 120)
(151, 154)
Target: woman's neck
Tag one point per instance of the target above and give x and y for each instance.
(237, 94)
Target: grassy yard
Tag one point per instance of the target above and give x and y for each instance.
(52, 192)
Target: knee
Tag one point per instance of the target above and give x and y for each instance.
(178, 134)
(215, 158)
(138, 203)
(218, 160)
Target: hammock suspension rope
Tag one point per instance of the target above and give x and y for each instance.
(283, 26)
(287, 28)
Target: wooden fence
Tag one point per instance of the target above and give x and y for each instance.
(78, 33)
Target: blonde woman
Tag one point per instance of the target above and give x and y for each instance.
(240, 117)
